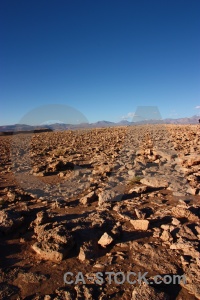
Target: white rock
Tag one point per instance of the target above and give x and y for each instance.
(105, 240)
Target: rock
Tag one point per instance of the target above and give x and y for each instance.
(9, 221)
(143, 254)
(165, 226)
(37, 169)
(166, 236)
(12, 196)
(131, 172)
(175, 222)
(61, 174)
(54, 243)
(192, 191)
(47, 297)
(50, 251)
(63, 293)
(140, 224)
(139, 214)
(105, 240)
(40, 174)
(181, 212)
(192, 275)
(8, 291)
(102, 220)
(59, 165)
(138, 189)
(82, 254)
(148, 152)
(83, 292)
(155, 182)
(146, 292)
(116, 230)
(89, 198)
(140, 152)
(182, 203)
(88, 293)
(108, 196)
(42, 217)
(87, 251)
(191, 160)
(178, 194)
(186, 246)
(157, 232)
(197, 228)
(29, 277)
(186, 232)
(166, 154)
(99, 266)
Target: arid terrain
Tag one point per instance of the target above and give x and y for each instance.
(122, 199)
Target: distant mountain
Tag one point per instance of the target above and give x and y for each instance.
(191, 120)
(22, 128)
(102, 124)
(9, 129)
(124, 122)
(16, 127)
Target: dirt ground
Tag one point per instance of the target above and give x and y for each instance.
(102, 200)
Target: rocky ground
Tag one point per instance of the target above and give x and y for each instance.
(122, 199)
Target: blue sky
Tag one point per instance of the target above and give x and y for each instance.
(104, 58)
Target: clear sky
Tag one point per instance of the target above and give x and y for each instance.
(104, 58)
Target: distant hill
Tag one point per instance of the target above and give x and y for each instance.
(23, 128)
(190, 120)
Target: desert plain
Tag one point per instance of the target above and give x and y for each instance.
(119, 199)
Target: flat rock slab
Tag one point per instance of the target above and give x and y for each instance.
(140, 224)
(155, 182)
